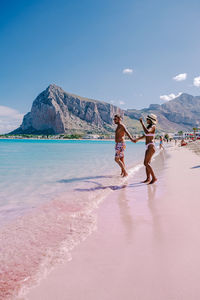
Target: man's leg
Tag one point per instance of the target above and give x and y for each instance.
(119, 158)
(123, 173)
(120, 163)
(122, 160)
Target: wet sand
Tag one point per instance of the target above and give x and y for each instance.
(147, 242)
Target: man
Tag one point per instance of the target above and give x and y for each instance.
(120, 143)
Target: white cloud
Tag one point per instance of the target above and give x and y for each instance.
(196, 81)
(169, 97)
(121, 102)
(10, 119)
(180, 77)
(127, 71)
(112, 101)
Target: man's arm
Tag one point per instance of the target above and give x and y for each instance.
(128, 134)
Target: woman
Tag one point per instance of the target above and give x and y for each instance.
(149, 134)
(161, 143)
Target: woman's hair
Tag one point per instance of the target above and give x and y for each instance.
(149, 125)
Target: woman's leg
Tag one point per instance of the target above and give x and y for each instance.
(149, 171)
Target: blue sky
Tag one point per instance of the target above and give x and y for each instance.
(84, 46)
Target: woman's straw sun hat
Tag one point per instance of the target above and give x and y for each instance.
(152, 118)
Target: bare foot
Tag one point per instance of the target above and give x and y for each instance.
(145, 181)
(125, 174)
(153, 180)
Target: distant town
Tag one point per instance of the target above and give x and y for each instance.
(191, 135)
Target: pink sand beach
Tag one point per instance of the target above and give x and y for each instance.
(147, 242)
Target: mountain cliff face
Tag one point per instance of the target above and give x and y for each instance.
(182, 113)
(55, 111)
(185, 110)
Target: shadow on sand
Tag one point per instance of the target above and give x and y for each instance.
(83, 178)
(99, 186)
(112, 187)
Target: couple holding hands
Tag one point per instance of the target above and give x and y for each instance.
(149, 135)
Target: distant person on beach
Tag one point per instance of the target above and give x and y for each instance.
(183, 143)
(149, 134)
(161, 142)
(120, 143)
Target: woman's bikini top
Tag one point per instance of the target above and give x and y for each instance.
(150, 134)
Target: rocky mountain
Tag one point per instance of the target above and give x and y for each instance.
(181, 113)
(54, 111)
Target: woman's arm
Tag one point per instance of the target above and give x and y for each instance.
(139, 138)
(147, 131)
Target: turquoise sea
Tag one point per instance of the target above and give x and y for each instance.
(35, 171)
(49, 190)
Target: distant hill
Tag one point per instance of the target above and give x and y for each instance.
(181, 113)
(55, 111)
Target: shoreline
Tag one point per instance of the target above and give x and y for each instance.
(57, 139)
(146, 236)
(53, 139)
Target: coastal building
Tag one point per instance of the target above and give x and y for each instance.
(91, 136)
(187, 135)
